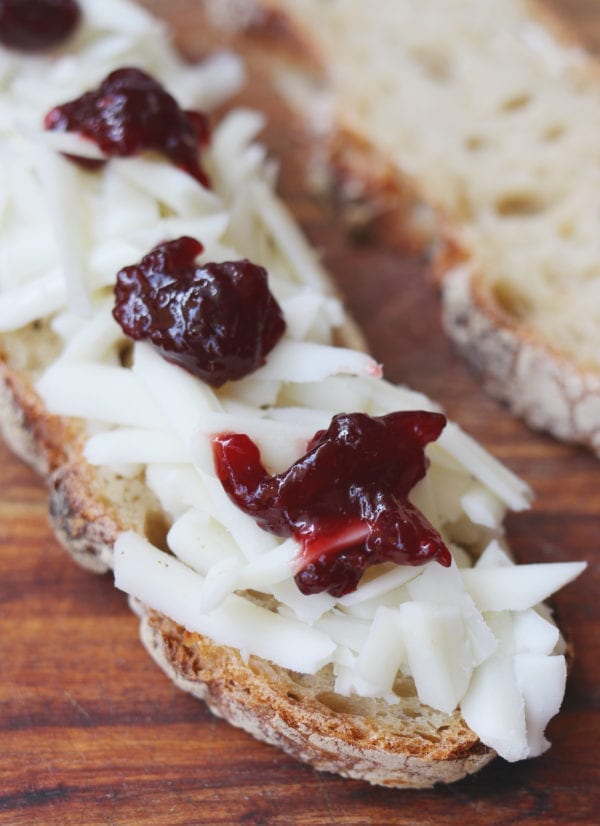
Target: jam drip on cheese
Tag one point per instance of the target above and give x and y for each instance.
(37, 25)
(218, 321)
(131, 112)
(346, 500)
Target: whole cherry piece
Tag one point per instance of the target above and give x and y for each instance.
(218, 321)
(131, 112)
(37, 25)
(346, 500)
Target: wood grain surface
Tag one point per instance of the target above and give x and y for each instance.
(92, 733)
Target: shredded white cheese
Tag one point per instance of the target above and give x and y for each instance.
(470, 637)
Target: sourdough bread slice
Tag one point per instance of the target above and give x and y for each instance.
(488, 114)
(404, 745)
(123, 439)
(407, 745)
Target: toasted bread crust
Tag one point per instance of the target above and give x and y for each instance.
(274, 707)
(38, 438)
(85, 520)
(537, 384)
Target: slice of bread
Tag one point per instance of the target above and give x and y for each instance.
(488, 114)
(390, 683)
(404, 745)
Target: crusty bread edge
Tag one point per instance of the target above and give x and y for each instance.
(28, 430)
(313, 734)
(536, 384)
(51, 446)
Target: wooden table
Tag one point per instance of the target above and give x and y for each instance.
(91, 732)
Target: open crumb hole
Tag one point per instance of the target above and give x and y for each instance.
(515, 102)
(434, 63)
(518, 204)
(566, 228)
(474, 143)
(341, 704)
(429, 736)
(554, 132)
(511, 301)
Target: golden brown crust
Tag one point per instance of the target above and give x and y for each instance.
(83, 522)
(371, 198)
(538, 384)
(275, 706)
(35, 436)
(85, 519)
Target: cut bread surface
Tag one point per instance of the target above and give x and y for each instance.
(490, 115)
(123, 438)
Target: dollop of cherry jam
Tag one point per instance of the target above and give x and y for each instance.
(37, 25)
(131, 112)
(346, 500)
(218, 321)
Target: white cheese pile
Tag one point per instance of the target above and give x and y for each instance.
(476, 637)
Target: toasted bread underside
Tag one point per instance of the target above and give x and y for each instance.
(524, 367)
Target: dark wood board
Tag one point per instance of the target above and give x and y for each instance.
(92, 733)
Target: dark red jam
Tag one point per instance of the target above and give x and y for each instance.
(37, 25)
(218, 321)
(346, 500)
(131, 112)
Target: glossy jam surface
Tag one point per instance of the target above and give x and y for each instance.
(131, 112)
(346, 500)
(37, 25)
(218, 321)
